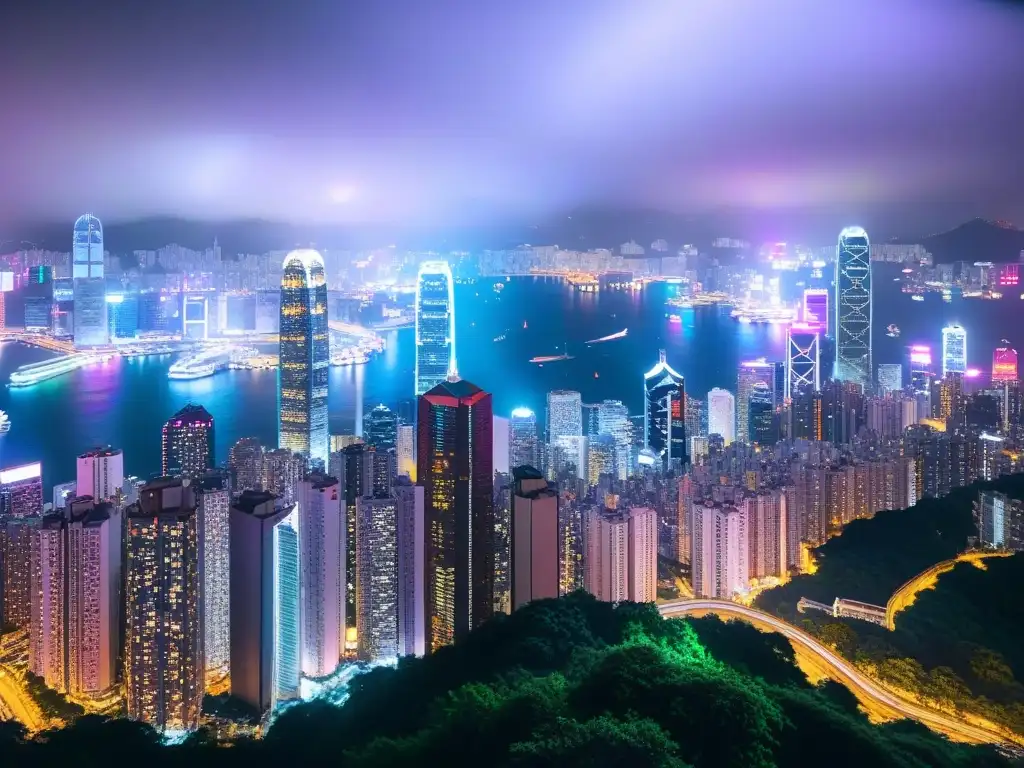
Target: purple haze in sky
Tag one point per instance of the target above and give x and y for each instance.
(464, 111)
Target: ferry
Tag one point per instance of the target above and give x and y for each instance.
(33, 373)
(499, 287)
(541, 359)
(206, 362)
(917, 297)
(611, 337)
(892, 331)
(5, 423)
(349, 357)
(675, 319)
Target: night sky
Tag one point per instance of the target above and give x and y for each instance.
(461, 111)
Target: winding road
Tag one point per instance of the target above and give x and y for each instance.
(872, 696)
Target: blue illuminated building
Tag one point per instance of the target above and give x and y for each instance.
(90, 318)
(435, 325)
(853, 307)
(664, 413)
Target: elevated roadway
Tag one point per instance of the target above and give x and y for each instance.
(905, 596)
(880, 703)
(16, 704)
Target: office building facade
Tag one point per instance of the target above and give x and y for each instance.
(665, 413)
(305, 357)
(435, 325)
(853, 308)
(322, 558)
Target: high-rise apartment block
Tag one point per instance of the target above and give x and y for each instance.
(213, 499)
(322, 542)
(163, 655)
(620, 558)
(100, 474)
(719, 560)
(534, 553)
(188, 445)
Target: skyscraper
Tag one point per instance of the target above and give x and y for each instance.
(803, 359)
(751, 374)
(265, 600)
(455, 468)
(665, 413)
(719, 559)
(188, 443)
(523, 445)
(620, 554)
(381, 428)
(16, 541)
(853, 307)
(39, 299)
(47, 622)
(163, 679)
(920, 365)
(435, 325)
(90, 289)
(305, 357)
(890, 378)
(405, 453)
(613, 419)
(815, 309)
(322, 559)
(954, 349)
(21, 490)
(245, 460)
(722, 414)
(762, 422)
(534, 554)
(565, 414)
(100, 474)
(214, 508)
(1004, 364)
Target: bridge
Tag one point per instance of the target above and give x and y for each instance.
(880, 703)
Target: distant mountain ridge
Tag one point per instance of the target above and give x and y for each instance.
(976, 240)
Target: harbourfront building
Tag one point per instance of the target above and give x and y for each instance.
(853, 308)
(665, 413)
(90, 288)
(435, 325)
(187, 444)
(954, 350)
(455, 468)
(305, 357)
(163, 652)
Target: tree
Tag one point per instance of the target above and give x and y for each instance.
(945, 686)
(991, 667)
(839, 636)
(907, 674)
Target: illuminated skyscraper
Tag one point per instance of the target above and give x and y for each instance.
(21, 490)
(565, 414)
(381, 428)
(613, 419)
(523, 444)
(815, 310)
(265, 600)
(389, 567)
(954, 349)
(722, 414)
(47, 623)
(1004, 364)
(853, 307)
(752, 374)
(720, 550)
(803, 359)
(761, 420)
(163, 679)
(305, 357)
(245, 460)
(890, 377)
(39, 299)
(16, 540)
(188, 443)
(214, 508)
(282, 471)
(405, 453)
(322, 559)
(665, 413)
(100, 474)
(90, 288)
(435, 325)
(921, 372)
(455, 456)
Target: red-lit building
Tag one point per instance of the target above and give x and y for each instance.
(1004, 363)
(1009, 275)
(455, 467)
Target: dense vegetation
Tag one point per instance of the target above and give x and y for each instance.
(958, 646)
(570, 682)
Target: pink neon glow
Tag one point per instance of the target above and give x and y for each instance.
(972, 373)
(925, 358)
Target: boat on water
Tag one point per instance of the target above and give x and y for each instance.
(892, 331)
(917, 297)
(611, 337)
(5, 423)
(550, 358)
